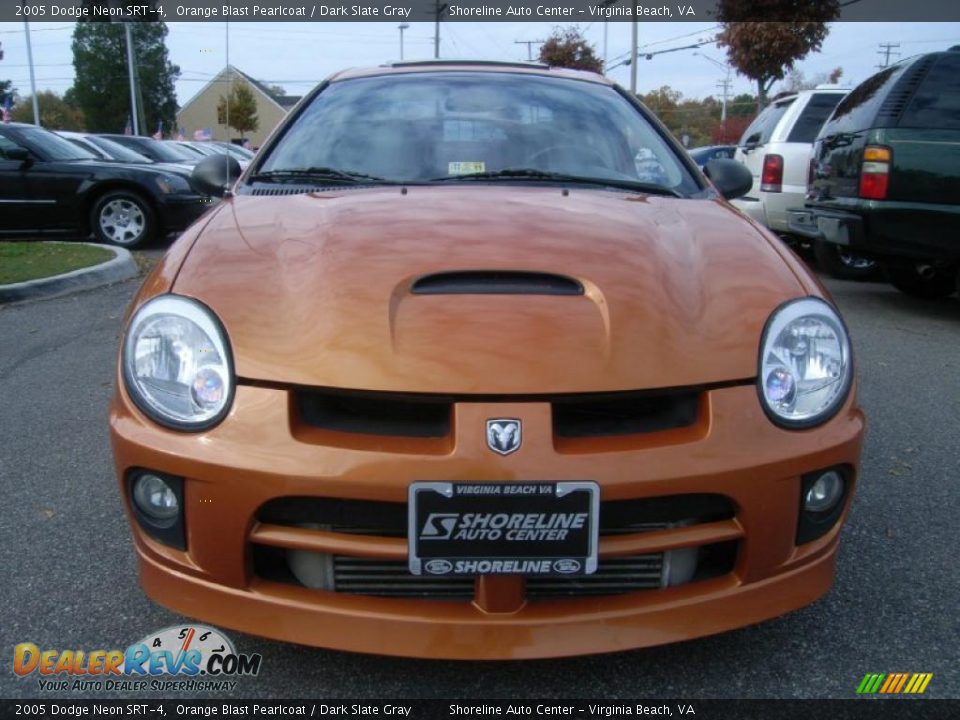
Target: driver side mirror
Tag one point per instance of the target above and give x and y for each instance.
(18, 154)
(730, 177)
(215, 175)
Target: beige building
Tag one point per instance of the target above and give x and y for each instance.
(200, 111)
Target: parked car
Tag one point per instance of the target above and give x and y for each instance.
(702, 155)
(157, 150)
(424, 381)
(776, 147)
(886, 174)
(106, 149)
(49, 186)
(209, 149)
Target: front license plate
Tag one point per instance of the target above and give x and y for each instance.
(503, 528)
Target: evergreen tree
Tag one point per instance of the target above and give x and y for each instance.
(101, 89)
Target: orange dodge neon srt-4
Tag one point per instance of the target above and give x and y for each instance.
(473, 362)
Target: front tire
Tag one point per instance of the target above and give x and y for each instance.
(124, 218)
(933, 285)
(840, 263)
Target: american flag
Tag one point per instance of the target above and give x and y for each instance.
(7, 104)
(158, 135)
(202, 135)
(181, 135)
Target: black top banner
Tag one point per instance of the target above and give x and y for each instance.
(560, 11)
(863, 709)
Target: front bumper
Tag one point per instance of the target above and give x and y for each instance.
(178, 212)
(261, 452)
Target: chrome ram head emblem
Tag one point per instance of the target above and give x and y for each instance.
(503, 435)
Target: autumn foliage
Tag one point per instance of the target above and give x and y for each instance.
(567, 47)
(766, 51)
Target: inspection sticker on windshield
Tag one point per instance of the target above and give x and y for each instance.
(537, 528)
(466, 168)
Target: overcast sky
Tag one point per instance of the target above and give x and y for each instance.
(298, 55)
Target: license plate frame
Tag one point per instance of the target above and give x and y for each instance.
(551, 528)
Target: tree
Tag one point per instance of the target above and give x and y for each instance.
(7, 89)
(101, 89)
(765, 51)
(796, 81)
(55, 112)
(243, 109)
(277, 90)
(568, 48)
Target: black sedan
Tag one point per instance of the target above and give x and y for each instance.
(156, 150)
(48, 186)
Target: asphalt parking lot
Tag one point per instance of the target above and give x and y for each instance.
(69, 581)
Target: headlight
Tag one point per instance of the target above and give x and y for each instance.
(173, 184)
(805, 363)
(177, 366)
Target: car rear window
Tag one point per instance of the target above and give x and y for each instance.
(813, 116)
(760, 130)
(858, 110)
(936, 103)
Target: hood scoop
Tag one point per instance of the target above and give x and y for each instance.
(495, 282)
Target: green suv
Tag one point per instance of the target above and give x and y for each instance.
(885, 174)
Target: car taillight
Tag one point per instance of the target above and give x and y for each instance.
(875, 172)
(771, 179)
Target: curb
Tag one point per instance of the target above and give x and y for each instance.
(121, 267)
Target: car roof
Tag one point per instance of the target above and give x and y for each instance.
(484, 66)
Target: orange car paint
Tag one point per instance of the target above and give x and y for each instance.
(313, 291)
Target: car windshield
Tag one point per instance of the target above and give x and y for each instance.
(117, 151)
(53, 147)
(443, 126)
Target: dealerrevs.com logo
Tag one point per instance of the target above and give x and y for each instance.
(177, 658)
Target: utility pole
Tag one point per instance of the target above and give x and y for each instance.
(529, 44)
(725, 86)
(887, 49)
(33, 82)
(634, 38)
(401, 27)
(134, 114)
(440, 9)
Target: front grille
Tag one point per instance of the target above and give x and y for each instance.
(430, 416)
(383, 577)
(615, 576)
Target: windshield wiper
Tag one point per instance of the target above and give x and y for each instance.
(532, 174)
(319, 173)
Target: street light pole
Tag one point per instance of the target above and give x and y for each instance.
(633, 51)
(401, 27)
(725, 84)
(33, 81)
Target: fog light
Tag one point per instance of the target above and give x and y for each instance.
(824, 493)
(155, 498)
(314, 570)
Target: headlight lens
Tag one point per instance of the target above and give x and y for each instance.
(173, 184)
(805, 363)
(177, 365)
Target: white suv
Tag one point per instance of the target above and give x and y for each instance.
(776, 148)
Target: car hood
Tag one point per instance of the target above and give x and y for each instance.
(315, 289)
